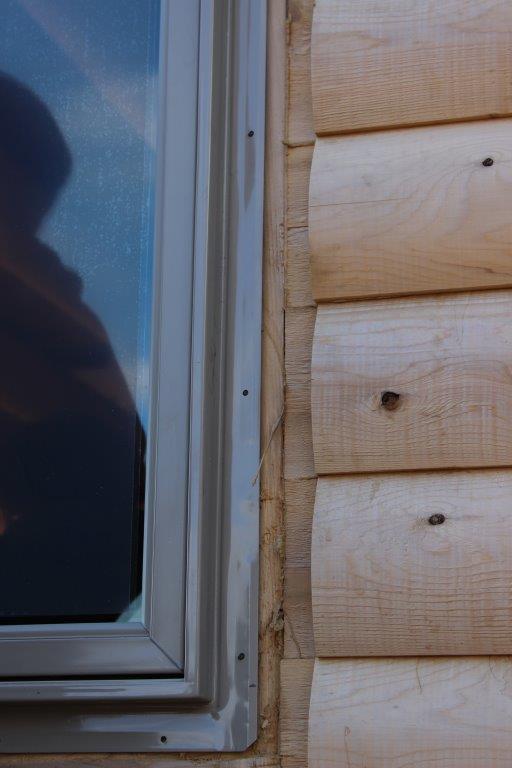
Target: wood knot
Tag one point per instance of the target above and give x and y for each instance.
(488, 162)
(390, 400)
(437, 519)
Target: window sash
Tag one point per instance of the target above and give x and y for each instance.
(155, 645)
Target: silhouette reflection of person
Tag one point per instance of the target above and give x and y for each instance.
(71, 446)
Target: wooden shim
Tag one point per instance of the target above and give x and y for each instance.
(297, 186)
(298, 623)
(390, 578)
(300, 108)
(411, 713)
(296, 675)
(298, 443)
(405, 384)
(298, 269)
(415, 211)
(382, 64)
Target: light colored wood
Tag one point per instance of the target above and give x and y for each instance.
(298, 617)
(272, 396)
(300, 317)
(299, 330)
(296, 675)
(406, 62)
(413, 211)
(300, 500)
(409, 212)
(300, 106)
(298, 627)
(298, 443)
(411, 713)
(448, 358)
(386, 582)
(297, 193)
(298, 269)
(123, 760)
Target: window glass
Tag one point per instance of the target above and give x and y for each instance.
(78, 107)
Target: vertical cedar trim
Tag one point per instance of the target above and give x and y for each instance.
(272, 406)
(299, 473)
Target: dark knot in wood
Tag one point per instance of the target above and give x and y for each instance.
(488, 162)
(389, 400)
(437, 519)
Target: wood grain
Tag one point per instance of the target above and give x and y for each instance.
(298, 621)
(296, 676)
(298, 448)
(300, 107)
(272, 394)
(142, 760)
(449, 360)
(298, 442)
(297, 186)
(298, 269)
(376, 65)
(413, 211)
(387, 582)
(411, 713)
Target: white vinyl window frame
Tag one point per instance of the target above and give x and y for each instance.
(185, 677)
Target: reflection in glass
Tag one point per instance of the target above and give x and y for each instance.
(77, 144)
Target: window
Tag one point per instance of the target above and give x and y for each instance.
(131, 149)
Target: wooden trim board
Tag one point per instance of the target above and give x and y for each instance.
(416, 211)
(384, 64)
(411, 713)
(413, 564)
(272, 395)
(296, 676)
(420, 383)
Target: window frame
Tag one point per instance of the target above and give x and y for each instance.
(153, 645)
(205, 694)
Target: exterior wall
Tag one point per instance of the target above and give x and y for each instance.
(410, 241)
